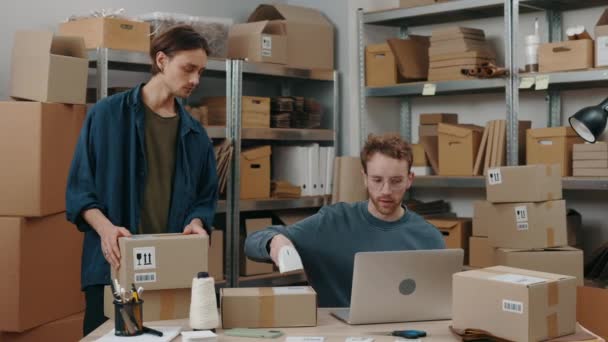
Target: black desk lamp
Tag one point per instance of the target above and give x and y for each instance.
(590, 122)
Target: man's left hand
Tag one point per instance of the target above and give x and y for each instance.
(195, 227)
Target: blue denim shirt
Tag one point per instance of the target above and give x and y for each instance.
(109, 169)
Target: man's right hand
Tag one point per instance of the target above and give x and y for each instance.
(278, 242)
(109, 235)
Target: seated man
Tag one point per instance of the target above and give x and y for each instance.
(327, 241)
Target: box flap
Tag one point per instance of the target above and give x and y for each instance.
(32, 43)
(257, 153)
(290, 13)
(552, 132)
(71, 46)
(460, 131)
(603, 20)
(520, 271)
(444, 224)
(374, 48)
(246, 29)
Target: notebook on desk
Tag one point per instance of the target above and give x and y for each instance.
(402, 286)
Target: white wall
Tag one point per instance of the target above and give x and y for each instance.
(35, 14)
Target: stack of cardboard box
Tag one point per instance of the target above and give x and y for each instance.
(590, 160)
(428, 135)
(525, 222)
(456, 48)
(40, 291)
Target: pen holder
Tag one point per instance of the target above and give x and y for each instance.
(128, 318)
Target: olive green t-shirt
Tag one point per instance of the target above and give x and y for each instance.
(160, 145)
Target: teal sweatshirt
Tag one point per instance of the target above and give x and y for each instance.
(327, 243)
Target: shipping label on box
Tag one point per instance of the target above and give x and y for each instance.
(530, 183)
(150, 260)
(528, 225)
(514, 304)
(268, 307)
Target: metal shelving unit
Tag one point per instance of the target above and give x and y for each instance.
(568, 183)
(452, 11)
(103, 60)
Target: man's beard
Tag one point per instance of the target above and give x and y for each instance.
(384, 210)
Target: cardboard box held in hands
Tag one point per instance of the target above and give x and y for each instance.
(48, 68)
(163, 261)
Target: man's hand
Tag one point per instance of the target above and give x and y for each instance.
(195, 227)
(109, 235)
(277, 242)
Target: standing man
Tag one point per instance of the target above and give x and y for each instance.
(328, 241)
(142, 165)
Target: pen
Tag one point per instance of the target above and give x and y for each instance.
(152, 331)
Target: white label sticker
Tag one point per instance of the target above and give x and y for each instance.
(512, 306)
(526, 82)
(518, 279)
(304, 339)
(144, 258)
(429, 89)
(145, 277)
(542, 82)
(285, 290)
(521, 213)
(266, 53)
(266, 43)
(359, 339)
(494, 176)
(546, 142)
(522, 226)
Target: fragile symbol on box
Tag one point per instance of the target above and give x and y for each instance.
(145, 277)
(266, 43)
(144, 258)
(494, 176)
(521, 213)
(512, 306)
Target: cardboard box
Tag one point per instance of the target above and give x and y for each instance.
(599, 146)
(111, 33)
(590, 173)
(551, 146)
(592, 309)
(428, 131)
(530, 183)
(419, 158)
(163, 261)
(528, 225)
(262, 41)
(249, 267)
(412, 57)
(255, 111)
(268, 307)
(514, 304)
(481, 254)
(66, 329)
(437, 118)
(380, 66)
(597, 155)
(456, 232)
(216, 255)
(416, 3)
(255, 173)
(458, 146)
(562, 260)
(482, 218)
(310, 35)
(567, 55)
(41, 271)
(159, 305)
(49, 68)
(37, 142)
(590, 164)
(601, 40)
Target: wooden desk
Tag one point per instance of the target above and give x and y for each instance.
(328, 326)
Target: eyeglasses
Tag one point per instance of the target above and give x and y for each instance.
(394, 184)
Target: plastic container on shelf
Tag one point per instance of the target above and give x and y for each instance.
(215, 30)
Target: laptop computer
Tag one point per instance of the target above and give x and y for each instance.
(402, 286)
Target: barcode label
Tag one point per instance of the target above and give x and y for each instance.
(145, 277)
(494, 176)
(266, 53)
(512, 306)
(522, 226)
